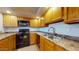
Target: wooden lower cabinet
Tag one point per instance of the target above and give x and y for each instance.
(4, 44)
(49, 46)
(8, 44)
(12, 42)
(46, 45)
(42, 43)
(33, 38)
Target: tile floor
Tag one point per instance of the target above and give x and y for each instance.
(29, 48)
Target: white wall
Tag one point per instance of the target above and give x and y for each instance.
(1, 23)
(10, 29)
(67, 29)
(14, 29)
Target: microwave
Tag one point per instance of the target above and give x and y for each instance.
(23, 23)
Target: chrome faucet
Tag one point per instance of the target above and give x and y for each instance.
(53, 29)
(53, 34)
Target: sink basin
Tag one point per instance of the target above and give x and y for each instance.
(55, 37)
(52, 36)
(45, 34)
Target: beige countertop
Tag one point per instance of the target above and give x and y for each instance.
(4, 35)
(69, 45)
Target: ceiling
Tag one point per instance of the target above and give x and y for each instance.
(24, 11)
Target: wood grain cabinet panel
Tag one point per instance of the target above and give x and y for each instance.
(8, 44)
(33, 38)
(47, 45)
(53, 15)
(12, 42)
(10, 21)
(71, 15)
(37, 23)
(42, 43)
(14, 22)
(6, 20)
(4, 44)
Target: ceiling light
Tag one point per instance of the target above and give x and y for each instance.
(42, 18)
(37, 17)
(8, 12)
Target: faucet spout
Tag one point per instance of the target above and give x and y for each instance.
(53, 30)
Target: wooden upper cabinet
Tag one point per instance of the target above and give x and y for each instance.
(6, 20)
(53, 15)
(34, 23)
(14, 22)
(9, 21)
(71, 15)
(37, 23)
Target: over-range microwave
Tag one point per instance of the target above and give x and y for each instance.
(23, 23)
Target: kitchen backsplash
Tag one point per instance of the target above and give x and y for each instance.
(14, 29)
(10, 29)
(66, 29)
(61, 28)
(45, 29)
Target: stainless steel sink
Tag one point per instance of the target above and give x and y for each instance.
(53, 36)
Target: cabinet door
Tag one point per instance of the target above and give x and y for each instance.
(8, 43)
(48, 15)
(72, 15)
(14, 42)
(33, 38)
(46, 45)
(53, 15)
(4, 44)
(10, 21)
(49, 46)
(35, 23)
(42, 43)
(6, 20)
(11, 42)
(42, 23)
(14, 22)
(57, 14)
